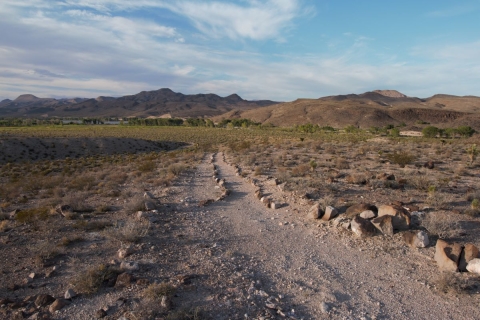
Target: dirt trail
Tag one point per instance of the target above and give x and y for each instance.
(257, 261)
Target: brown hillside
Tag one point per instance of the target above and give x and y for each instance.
(368, 109)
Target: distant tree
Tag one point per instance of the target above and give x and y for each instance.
(465, 131)
(395, 132)
(430, 132)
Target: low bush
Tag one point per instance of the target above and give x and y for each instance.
(401, 158)
(91, 281)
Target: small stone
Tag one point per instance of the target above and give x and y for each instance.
(416, 239)
(368, 214)
(469, 253)
(70, 294)
(447, 255)
(125, 252)
(324, 307)
(330, 213)
(129, 265)
(57, 305)
(474, 266)
(166, 302)
(123, 280)
(315, 212)
(43, 300)
(31, 275)
(362, 227)
(100, 314)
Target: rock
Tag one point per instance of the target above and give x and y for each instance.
(64, 210)
(100, 314)
(148, 195)
(281, 187)
(273, 205)
(416, 239)
(412, 207)
(149, 206)
(474, 266)
(123, 280)
(429, 165)
(401, 217)
(272, 182)
(49, 273)
(166, 302)
(43, 300)
(141, 215)
(384, 224)
(258, 194)
(368, 214)
(315, 212)
(129, 265)
(265, 201)
(358, 208)
(57, 305)
(12, 215)
(122, 253)
(324, 307)
(330, 213)
(447, 255)
(70, 294)
(385, 176)
(469, 253)
(362, 227)
(204, 203)
(32, 275)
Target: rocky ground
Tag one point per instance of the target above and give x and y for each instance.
(206, 258)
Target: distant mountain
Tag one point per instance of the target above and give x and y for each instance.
(377, 108)
(158, 103)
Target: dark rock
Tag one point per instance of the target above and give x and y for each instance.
(358, 208)
(362, 227)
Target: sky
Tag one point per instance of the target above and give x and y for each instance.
(260, 49)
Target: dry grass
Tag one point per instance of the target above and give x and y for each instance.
(91, 281)
(156, 291)
(442, 224)
(455, 283)
(130, 231)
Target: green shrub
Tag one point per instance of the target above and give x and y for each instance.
(401, 158)
(430, 132)
(31, 215)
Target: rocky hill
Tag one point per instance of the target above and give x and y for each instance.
(369, 109)
(144, 104)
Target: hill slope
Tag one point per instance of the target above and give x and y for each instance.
(368, 109)
(144, 104)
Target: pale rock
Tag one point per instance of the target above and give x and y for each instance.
(384, 224)
(32, 275)
(148, 195)
(315, 212)
(401, 217)
(70, 294)
(129, 265)
(358, 208)
(122, 253)
(474, 266)
(57, 305)
(330, 213)
(416, 239)
(368, 214)
(447, 255)
(469, 253)
(362, 227)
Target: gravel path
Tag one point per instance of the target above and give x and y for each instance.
(278, 264)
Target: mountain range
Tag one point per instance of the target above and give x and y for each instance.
(375, 108)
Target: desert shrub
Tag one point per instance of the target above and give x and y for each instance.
(91, 281)
(357, 178)
(300, 170)
(430, 132)
(77, 202)
(156, 291)
(137, 203)
(4, 225)
(44, 251)
(147, 166)
(176, 168)
(401, 158)
(441, 224)
(93, 225)
(130, 231)
(342, 163)
(82, 183)
(438, 200)
(66, 241)
(454, 283)
(472, 153)
(33, 214)
(258, 171)
(475, 204)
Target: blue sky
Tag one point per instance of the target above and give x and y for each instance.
(261, 49)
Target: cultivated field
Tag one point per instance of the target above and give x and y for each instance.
(210, 223)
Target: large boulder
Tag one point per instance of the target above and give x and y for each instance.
(474, 266)
(447, 255)
(315, 212)
(330, 213)
(384, 224)
(469, 253)
(358, 208)
(362, 227)
(368, 214)
(400, 217)
(416, 239)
